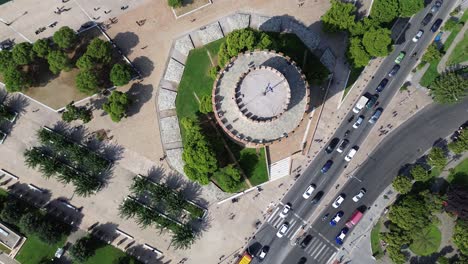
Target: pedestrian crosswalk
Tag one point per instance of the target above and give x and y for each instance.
(319, 249)
(294, 221)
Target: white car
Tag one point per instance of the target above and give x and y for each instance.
(282, 230)
(263, 252)
(418, 36)
(285, 210)
(358, 122)
(359, 195)
(351, 154)
(338, 201)
(308, 192)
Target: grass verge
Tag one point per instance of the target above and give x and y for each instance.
(254, 165)
(107, 254)
(459, 174)
(427, 241)
(460, 52)
(353, 76)
(377, 251)
(35, 251)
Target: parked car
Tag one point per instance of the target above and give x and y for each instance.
(436, 6)
(394, 70)
(343, 145)
(358, 122)
(338, 201)
(359, 195)
(263, 252)
(400, 57)
(336, 218)
(372, 100)
(308, 192)
(436, 25)
(341, 236)
(326, 166)
(427, 19)
(306, 241)
(332, 145)
(351, 154)
(282, 230)
(285, 211)
(381, 85)
(418, 36)
(302, 260)
(376, 116)
(317, 197)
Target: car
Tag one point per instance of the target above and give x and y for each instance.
(372, 100)
(381, 85)
(308, 192)
(436, 6)
(394, 70)
(359, 195)
(302, 260)
(376, 116)
(436, 25)
(59, 253)
(332, 145)
(341, 236)
(306, 241)
(400, 57)
(418, 35)
(282, 230)
(326, 166)
(427, 19)
(358, 122)
(336, 218)
(317, 197)
(343, 145)
(285, 211)
(351, 154)
(263, 252)
(338, 201)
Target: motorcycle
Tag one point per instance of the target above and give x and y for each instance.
(325, 217)
(414, 54)
(350, 119)
(347, 133)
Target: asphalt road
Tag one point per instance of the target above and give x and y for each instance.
(322, 247)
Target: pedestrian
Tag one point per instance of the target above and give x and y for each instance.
(107, 12)
(124, 7)
(96, 8)
(144, 47)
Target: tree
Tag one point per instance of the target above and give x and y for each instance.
(410, 7)
(460, 236)
(87, 82)
(116, 106)
(341, 16)
(229, 178)
(23, 53)
(357, 54)
(58, 61)
(362, 26)
(129, 208)
(12, 211)
(449, 88)
(65, 37)
(443, 260)
(432, 53)
(240, 40)
(265, 42)
(384, 10)
(460, 144)
(174, 3)
(198, 155)
(395, 239)
(436, 158)
(419, 173)
(206, 105)
(6, 60)
(402, 184)
(30, 222)
(15, 80)
(41, 47)
(120, 74)
(100, 50)
(85, 62)
(377, 42)
(410, 213)
(82, 249)
(451, 24)
(73, 113)
(456, 201)
(183, 237)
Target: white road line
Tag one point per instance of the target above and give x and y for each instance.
(315, 249)
(314, 245)
(295, 233)
(273, 214)
(290, 227)
(318, 253)
(332, 256)
(324, 255)
(277, 222)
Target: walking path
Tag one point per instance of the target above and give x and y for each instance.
(441, 67)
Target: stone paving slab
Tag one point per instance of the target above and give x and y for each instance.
(170, 131)
(174, 71)
(174, 157)
(233, 22)
(166, 99)
(184, 45)
(210, 33)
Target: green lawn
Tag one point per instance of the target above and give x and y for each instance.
(377, 251)
(459, 173)
(34, 250)
(254, 165)
(427, 241)
(460, 53)
(3, 193)
(455, 32)
(107, 254)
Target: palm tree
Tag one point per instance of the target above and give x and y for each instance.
(139, 185)
(183, 237)
(49, 166)
(33, 157)
(129, 208)
(144, 217)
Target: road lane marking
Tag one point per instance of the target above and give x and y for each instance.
(318, 253)
(324, 255)
(315, 244)
(332, 256)
(273, 214)
(315, 249)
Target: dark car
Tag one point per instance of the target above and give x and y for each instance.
(302, 260)
(306, 241)
(372, 101)
(343, 145)
(436, 6)
(317, 197)
(332, 145)
(327, 166)
(394, 70)
(382, 85)
(427, 19)
(436, 25)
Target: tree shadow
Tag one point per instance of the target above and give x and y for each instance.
(139, 94)
(431, 259)
(38, 198)
(201, 225)
(106, 232)
(192, 191)
(144, 65)
(126, 41)
(156, 174)
(174, 180)
(60, 208)
(96, 103)
(17, 102)
(145, 255)
(112, 152)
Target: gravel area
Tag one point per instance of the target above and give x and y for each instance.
(210, 33)
(170, 131)
(174, 71)
(166, 99)
(174, 157)
(184, 45)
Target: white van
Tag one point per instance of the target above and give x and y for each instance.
(351, 154)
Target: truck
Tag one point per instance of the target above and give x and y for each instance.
(360, 104)
(354, 219)
(246, 258)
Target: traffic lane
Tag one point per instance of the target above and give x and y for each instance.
(268, 238)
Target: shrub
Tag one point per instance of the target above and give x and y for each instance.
(15, 80)
(206, 105)
(73, 113)
(214, 72)
(116, 106)
(65, 37)
(229, 179)
(174, 3)
(23, 53)
(58, 61)
(87, 82)
(120, 74)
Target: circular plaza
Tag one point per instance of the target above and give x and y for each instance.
(260, 97)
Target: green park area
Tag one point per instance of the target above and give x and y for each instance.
(426, 241)
(460, 53)
(35, 250)
(107, 254)
(459, 174)
(377, 250)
